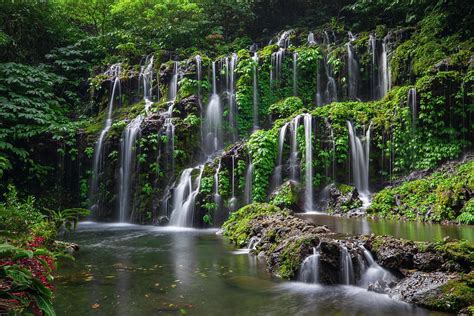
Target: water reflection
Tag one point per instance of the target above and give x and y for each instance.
(418, 231)
(144, 270)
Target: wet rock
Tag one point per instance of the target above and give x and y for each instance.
(162, 221)
(342, 199)
(427, 261)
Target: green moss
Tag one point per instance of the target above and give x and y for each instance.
(286, 195)
(286, 107)
(236, 228)
(290, 257)
(454, 295)
(440, 196)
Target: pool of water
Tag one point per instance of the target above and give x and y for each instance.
(145, 270)
(417, 231)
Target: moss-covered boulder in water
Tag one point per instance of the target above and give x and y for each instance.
(342, 198)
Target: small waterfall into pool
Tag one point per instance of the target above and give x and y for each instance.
(278, 171)
(346, 273)
(253, 242)
(412, 103)
(97, 166)
(255, 92)
(309, 270)
(184, 198)
(373, 272)
(213, 120)
(217, 196)
(352, 69)
(248, 184)
(360, 151)
(295, 73)
(127, 163)
(308, 131)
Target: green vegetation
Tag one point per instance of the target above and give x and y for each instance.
(443, 195)
(29, 253)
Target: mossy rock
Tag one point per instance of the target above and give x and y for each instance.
(287, 196)
(236, 228)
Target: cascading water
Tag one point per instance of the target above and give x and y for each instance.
(360, 151)
(295, 73)
(248, 184)
(294, 149)
(213, 120)
(309, 270)
(373, 273)
(199, 90)
(146, 76)
(284, 39)
(184, 198)
(373, 71)
(308, 130)
(253, 242)
(127, 163)
(275, 71)
(233, 199)
(231, 64)
(352, 69)
(114, 74)
(385, 80)
(412, 103)
(277, 173)
(331, 88)
(346, 269)
(255, 92)
(311, 40)
(173, 87)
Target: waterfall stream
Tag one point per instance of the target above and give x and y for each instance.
(213, 120)
(184, 197)
(360, 151)
(346, 268)
(278, 171)
(352, 69)
(127, 163)
(248, 184)
(114, 73)
(412, 103)
(255, 92)
(308, 130)
(309, 270)
(295, 74)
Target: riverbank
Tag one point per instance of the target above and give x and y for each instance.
(437, 276)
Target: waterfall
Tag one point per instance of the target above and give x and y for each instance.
(373, 72)
(127, 163)
(309, 270)
(114, 73)
(319, 91)
(277, 173)
(217, 196)
(276, 61)
(309, 162)
(173, 88)
(231, 95)
(213, 120)
(331, 87)
(199, 92)
(373, 273)
(352, 69)
(311, 40)
(184, 198)
(255, 92)
(146, 76)
(284, 39)
(385, 81)
(295, 73)
(253, 242)
(412, 103)
(233, 199)
(294, 149)
(346, 269)
(248, 184)
(360, 150)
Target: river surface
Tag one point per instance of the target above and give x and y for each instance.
(145, 270)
